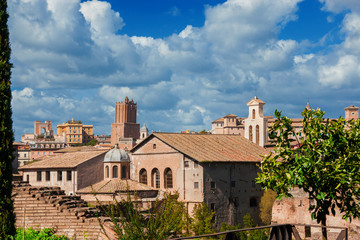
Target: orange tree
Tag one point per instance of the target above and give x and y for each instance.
(325, 164)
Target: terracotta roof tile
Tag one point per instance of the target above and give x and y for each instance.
(214, 147)
(112, 185)
(66, 160)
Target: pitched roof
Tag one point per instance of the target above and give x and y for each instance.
(230, 115)
(211, 147)
(112, 185)
(66, 160)
(219, 120)
(254, 101)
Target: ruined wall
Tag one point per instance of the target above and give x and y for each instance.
(295, 211)
(48, 207)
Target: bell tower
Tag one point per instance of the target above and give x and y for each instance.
(256, 124)
(125, 126)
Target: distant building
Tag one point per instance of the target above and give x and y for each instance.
(76, 132)
(103, 140)
(70, 171)
(43, 130)
(40, 149)
(219, 170)
(23, 153)
(125, 131)
(255, 126)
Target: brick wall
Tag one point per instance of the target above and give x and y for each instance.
(48, 207)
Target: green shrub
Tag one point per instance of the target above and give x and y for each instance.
(32, 234)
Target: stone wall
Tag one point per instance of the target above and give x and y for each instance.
(295, 211)
(49, 207)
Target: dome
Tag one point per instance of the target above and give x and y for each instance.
(116, 155)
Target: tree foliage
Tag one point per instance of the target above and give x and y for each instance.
(248, 222)
(32, 234)
(7, 217)
(203, 219)
(325, 163)
(266, 204)
(167, 218)
(92, 142)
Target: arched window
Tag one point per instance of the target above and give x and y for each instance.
(253, 114)
(250, 133)
(143, 176)
(168, 178)
(107, 171)
(123, 172)
(257, 134)
(115, 172)
(155, 178)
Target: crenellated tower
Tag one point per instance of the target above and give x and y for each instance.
(125, 126)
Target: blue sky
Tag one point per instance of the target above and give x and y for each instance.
(186, 63)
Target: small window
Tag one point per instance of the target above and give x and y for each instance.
(196, 164)
(68, 175)
(212, 207)
(107, 171)
(59, 173)
(154, 146)
(196, 185)
(233, 183)
(123, 172)
(186, 164)
(47, 175)
(253, 202)
(38, 176)
(212, 185)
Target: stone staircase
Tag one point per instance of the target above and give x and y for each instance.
(49, 207)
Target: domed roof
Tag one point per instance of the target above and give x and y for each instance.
(116, 155)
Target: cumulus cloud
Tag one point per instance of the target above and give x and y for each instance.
(71, 60)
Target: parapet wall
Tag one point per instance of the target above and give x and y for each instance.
(49, 207)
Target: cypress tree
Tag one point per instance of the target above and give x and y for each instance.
(7, 216)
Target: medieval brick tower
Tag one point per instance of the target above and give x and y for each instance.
(125, 126)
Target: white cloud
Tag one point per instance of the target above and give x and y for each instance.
(72, 60)
(345, 71)
(102, 19)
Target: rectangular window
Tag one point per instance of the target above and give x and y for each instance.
(68, 175)
(59, 175)
(233, 183)
(196, 164)
(38, 176)
(212, 206)
(186, 164)
(196, 184)
(47, 175)
(212, 185)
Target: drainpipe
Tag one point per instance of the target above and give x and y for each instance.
(184, 173)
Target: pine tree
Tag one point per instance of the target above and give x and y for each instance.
(7, 217)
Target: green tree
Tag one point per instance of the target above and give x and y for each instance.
(325, 164)
(92, 142)
(7, 217)
(203, 219)
(167, 218)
